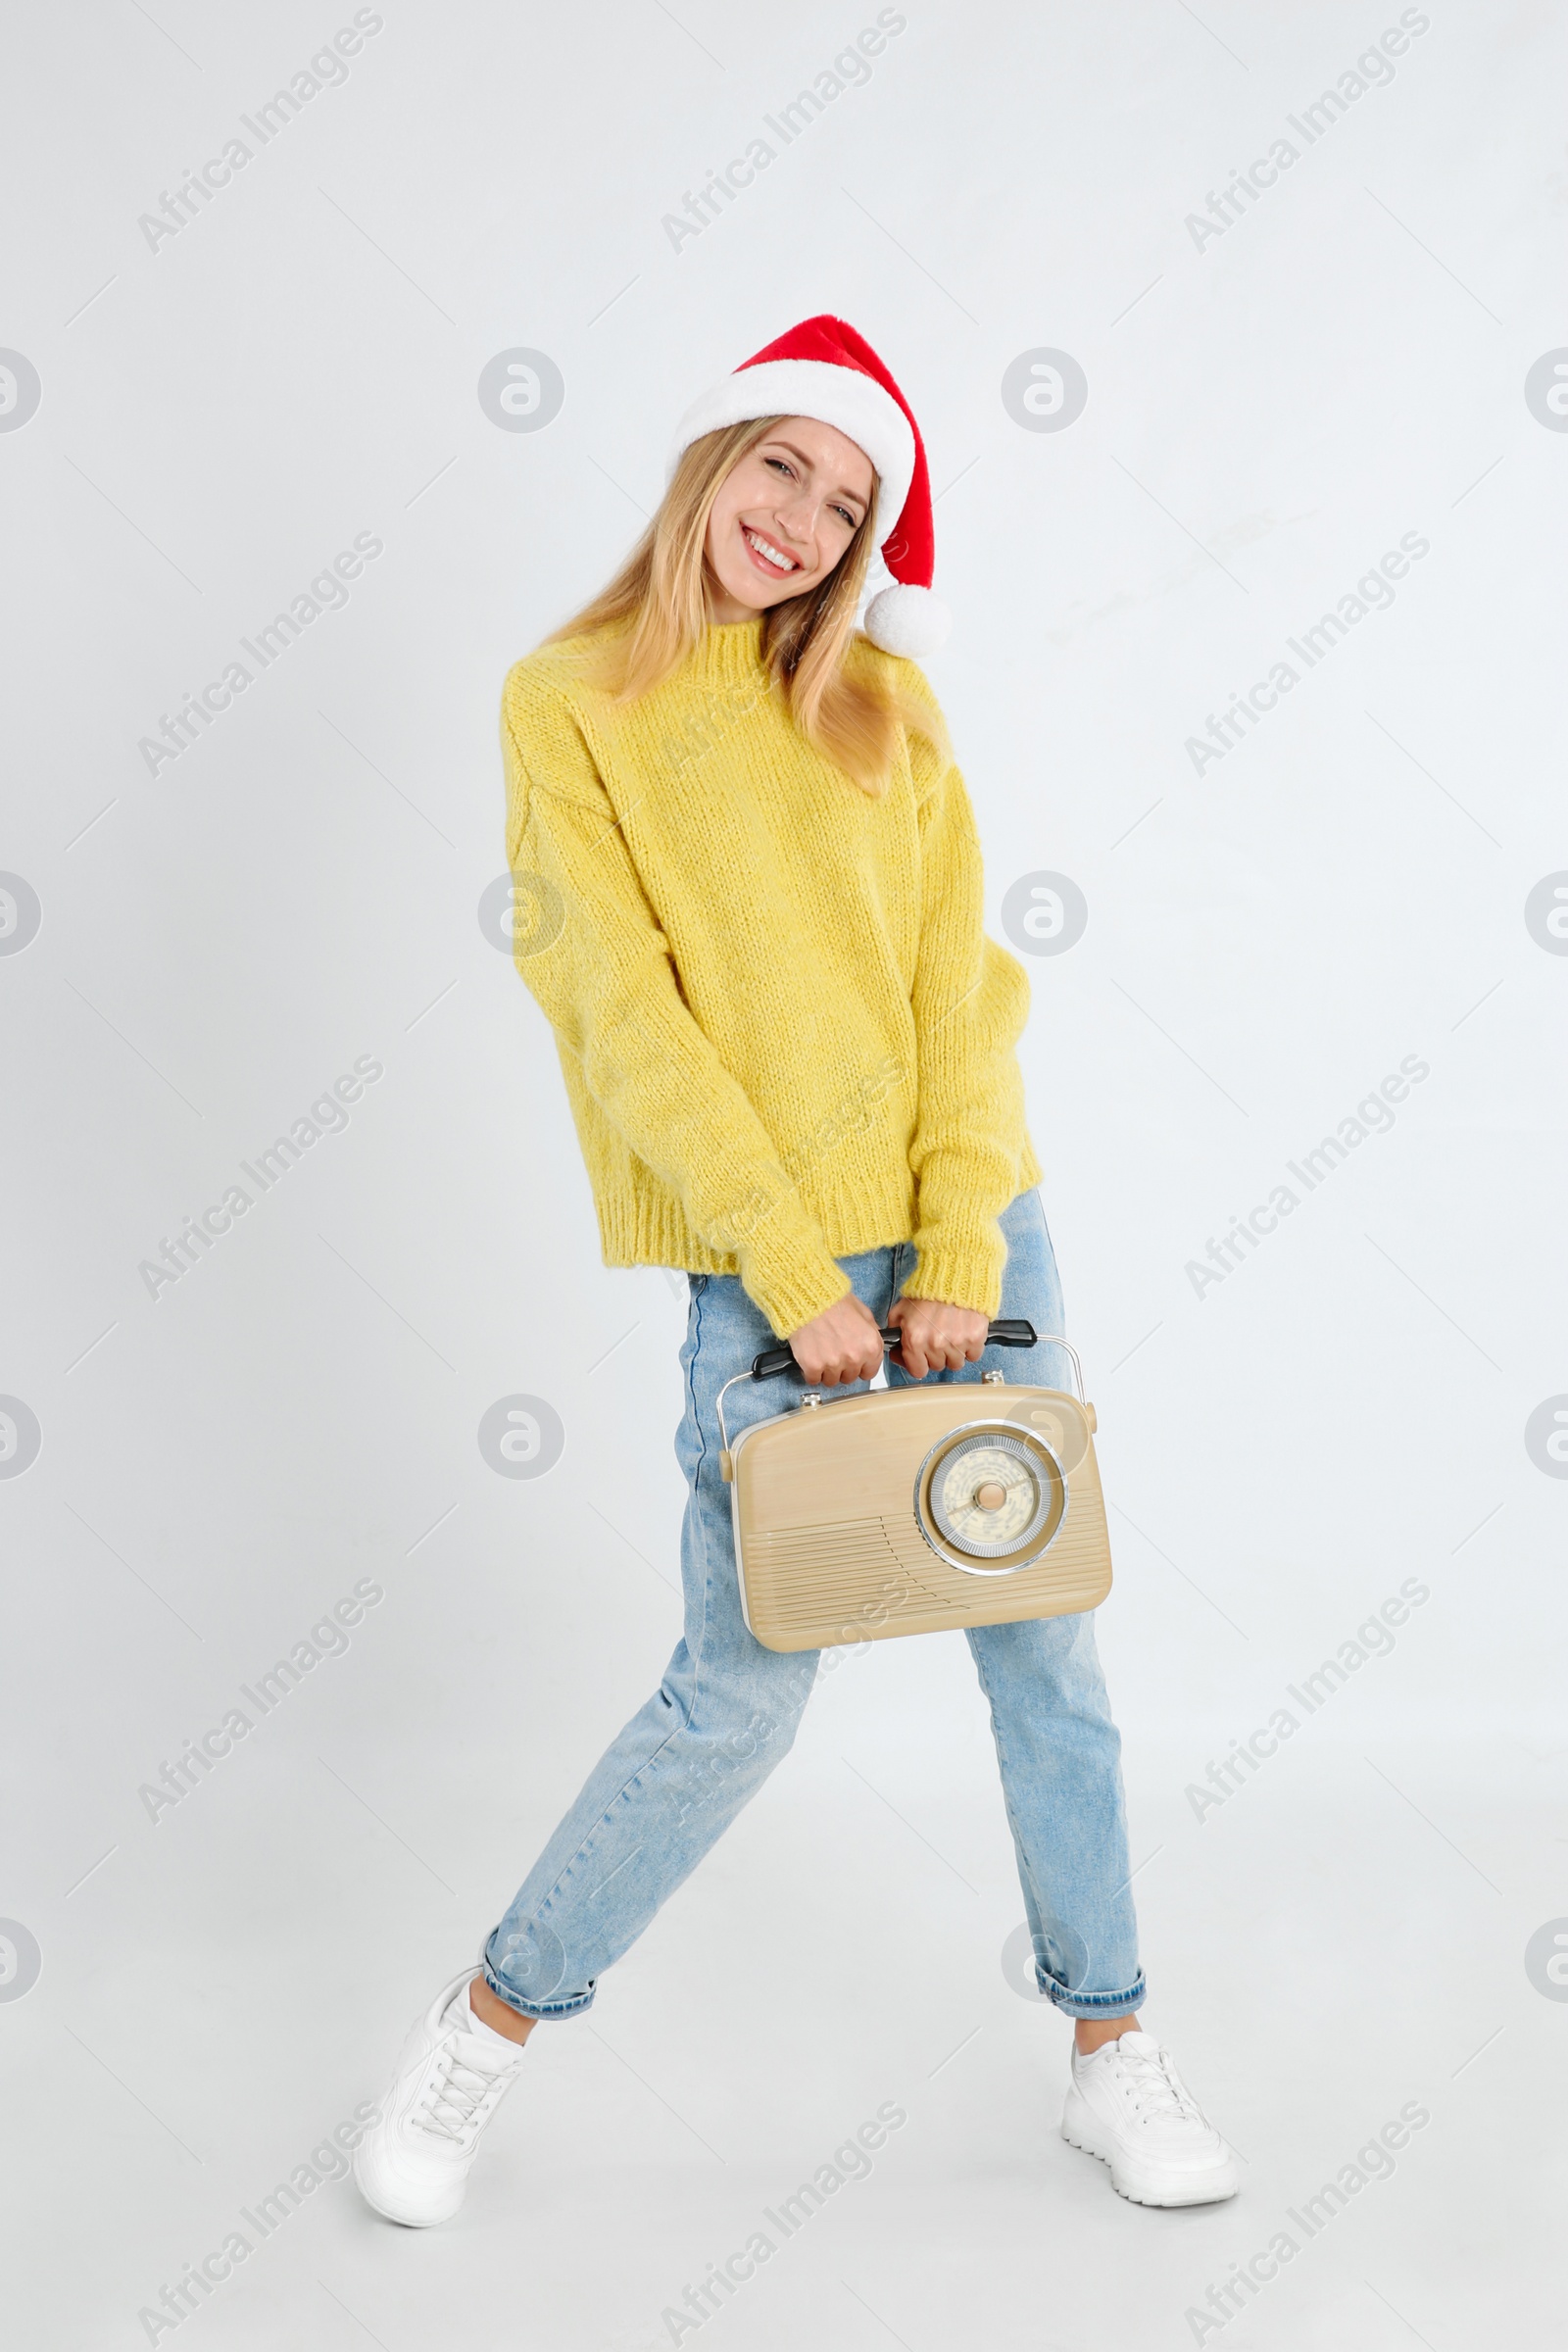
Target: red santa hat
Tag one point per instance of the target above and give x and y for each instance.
(823, 368)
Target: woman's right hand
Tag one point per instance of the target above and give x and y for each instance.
(844, 1344)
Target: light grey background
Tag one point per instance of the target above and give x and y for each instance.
(1269, 411)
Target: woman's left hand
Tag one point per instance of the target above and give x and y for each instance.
(936, 1337)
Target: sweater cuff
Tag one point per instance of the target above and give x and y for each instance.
(966, 1273)
(791, 1276)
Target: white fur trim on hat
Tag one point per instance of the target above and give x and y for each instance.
(844, 397)
(911, 621)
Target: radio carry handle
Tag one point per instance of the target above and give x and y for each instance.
(1006, 1332)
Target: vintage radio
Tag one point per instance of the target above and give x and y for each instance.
(914, 1509)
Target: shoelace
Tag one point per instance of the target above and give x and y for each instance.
(1155, 2086)
(450, 2090)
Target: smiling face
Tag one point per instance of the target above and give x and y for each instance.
(784, 516)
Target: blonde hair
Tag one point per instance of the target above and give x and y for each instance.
(656, 610)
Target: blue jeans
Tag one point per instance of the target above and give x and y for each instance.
(673, 1780)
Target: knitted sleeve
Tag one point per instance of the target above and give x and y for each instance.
(597, 961)
(970, 1001)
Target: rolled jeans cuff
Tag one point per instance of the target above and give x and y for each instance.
(544, 2011)
(1093, 2004)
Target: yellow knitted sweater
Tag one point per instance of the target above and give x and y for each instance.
(785, 1036)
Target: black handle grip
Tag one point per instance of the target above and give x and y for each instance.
(1009, 1331)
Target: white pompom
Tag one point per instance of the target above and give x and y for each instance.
(911, 621)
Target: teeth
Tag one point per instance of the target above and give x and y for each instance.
(774, 554)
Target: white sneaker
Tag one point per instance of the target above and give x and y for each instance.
(413, 2165)
(1127, 2104)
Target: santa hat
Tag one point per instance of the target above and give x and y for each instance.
(822, 368)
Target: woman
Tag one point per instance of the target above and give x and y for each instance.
(754, 887)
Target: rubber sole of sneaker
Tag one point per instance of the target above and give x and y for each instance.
(385, 2203)
(1198, 2189)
